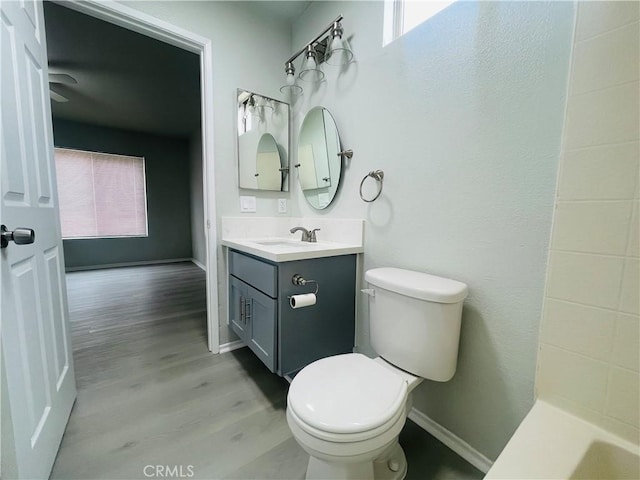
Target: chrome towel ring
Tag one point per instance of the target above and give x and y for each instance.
(378, 176)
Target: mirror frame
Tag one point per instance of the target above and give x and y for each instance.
(270, 116)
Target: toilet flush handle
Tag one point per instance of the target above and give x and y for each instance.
(369, 291)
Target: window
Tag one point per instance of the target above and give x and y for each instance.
(400, 16)
(101, 195)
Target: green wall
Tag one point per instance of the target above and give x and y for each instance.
(168, 195)
(464, 114)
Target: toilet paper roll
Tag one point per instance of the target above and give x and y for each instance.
(300, 301)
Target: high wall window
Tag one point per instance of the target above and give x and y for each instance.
(400, 16)
(101, 195)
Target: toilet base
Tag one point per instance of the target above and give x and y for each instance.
(390, 465)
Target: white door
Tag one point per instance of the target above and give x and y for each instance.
(34, 331)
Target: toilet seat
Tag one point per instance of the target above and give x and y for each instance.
(347, 398)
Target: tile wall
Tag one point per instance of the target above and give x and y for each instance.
(588, 359)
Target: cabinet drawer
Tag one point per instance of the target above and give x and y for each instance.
(260, 275)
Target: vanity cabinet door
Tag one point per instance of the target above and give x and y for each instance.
(237, 307)
(260, 312)
(252, 316)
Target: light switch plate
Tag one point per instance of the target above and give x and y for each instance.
(282, 205)
(247, 204)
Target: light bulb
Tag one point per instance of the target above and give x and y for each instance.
(311, 62)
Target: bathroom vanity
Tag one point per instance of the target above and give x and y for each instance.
(284, 338)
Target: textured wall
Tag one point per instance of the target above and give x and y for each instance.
(167, 177)
(588, 361)
(464, 114)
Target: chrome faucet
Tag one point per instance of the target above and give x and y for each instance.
(307, 236)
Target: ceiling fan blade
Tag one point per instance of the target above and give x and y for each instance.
(56, 97)
(62, 78)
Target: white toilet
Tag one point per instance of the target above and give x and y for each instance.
(347, 411)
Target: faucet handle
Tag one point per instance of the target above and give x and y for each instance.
(312, 235)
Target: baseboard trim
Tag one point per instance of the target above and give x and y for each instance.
(451, 440)
(229, 346)
(126, 264)
(199, 264)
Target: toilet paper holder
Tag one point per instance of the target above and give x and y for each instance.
(298, 279)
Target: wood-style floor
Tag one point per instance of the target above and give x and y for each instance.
(151, 396)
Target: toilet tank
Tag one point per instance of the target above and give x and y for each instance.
(414, 320)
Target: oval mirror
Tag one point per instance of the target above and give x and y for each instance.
(319, 161)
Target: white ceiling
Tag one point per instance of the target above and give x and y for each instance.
(125, 79)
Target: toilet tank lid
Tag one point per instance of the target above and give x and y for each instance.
(417, 284)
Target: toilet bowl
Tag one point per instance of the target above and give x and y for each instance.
(347, 411)
(353, 434)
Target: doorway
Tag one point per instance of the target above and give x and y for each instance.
(164, 40)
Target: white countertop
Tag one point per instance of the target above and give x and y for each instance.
(279, 249)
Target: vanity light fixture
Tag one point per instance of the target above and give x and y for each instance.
(329, 46)
(257, 103)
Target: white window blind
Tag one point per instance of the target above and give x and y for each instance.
(101, 195)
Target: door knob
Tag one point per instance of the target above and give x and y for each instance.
(21, 236)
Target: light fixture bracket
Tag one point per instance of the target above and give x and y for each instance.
(321, 49)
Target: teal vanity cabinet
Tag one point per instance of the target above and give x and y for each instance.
(288, 339)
